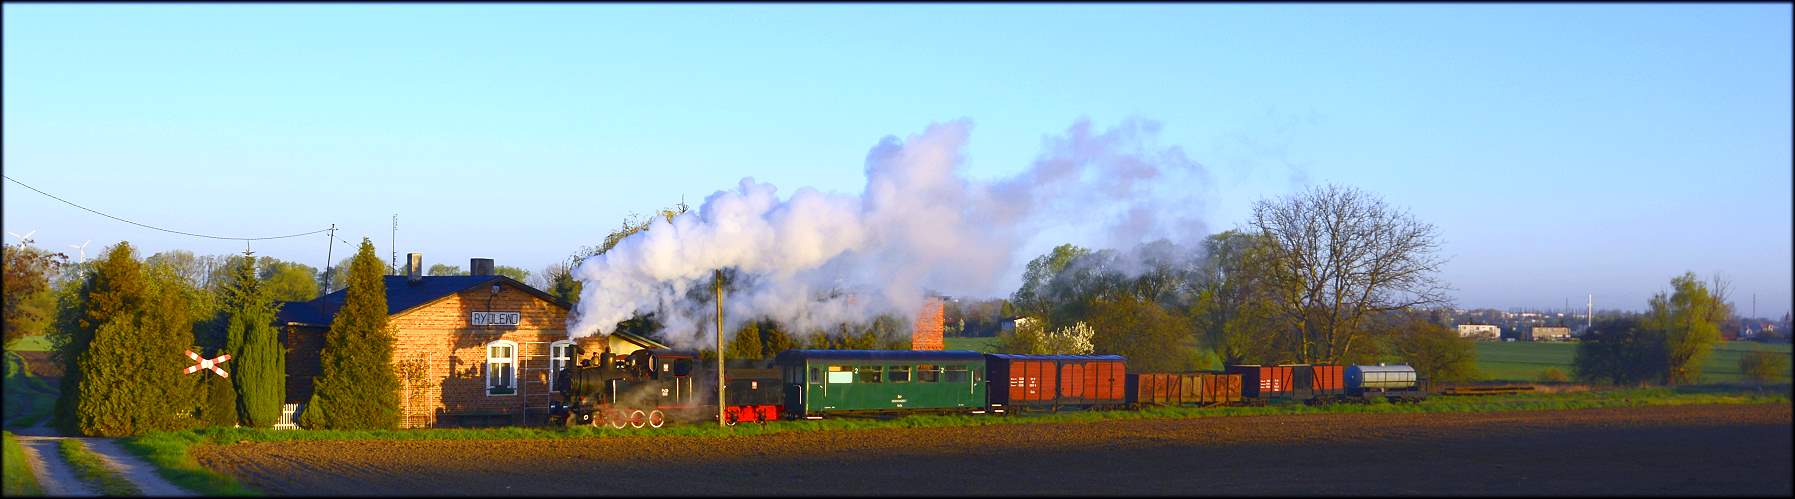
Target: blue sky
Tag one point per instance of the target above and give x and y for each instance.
(1560, 149)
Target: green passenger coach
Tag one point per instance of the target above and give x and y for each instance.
(819, 382)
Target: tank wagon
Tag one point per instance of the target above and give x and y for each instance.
(653, 387)
(1397, 383)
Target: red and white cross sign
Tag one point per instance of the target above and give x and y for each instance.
(207, 364)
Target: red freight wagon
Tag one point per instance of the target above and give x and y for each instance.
(1265, 382)
(1327, 380)
(1219, 388)
(1053, 381)
(1183, 388)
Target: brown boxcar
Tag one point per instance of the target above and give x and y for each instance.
(1265, 382)
(1183, 388)
(1053, 381)
(1221, 388)
(1329, 381)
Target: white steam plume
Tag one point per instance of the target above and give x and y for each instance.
(814, 259)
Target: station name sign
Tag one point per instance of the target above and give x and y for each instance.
(495, 318)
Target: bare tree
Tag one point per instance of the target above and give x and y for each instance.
(1340, 256)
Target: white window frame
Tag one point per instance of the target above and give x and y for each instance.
(556, 364)
(511, 361)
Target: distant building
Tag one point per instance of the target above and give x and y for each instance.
(1480, 331)
(1548, 333)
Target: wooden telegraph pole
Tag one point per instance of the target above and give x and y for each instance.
(717, 290)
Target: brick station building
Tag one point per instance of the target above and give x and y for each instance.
(481, 345)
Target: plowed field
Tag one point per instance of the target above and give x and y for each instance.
(1699, 450)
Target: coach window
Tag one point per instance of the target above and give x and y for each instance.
(955, 374)
(897, 374)
(868, 374)
(841, 374)
(560, 355)
(501, 367)
(928, 373)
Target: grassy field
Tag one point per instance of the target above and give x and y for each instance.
(1523, 361)
(32, 344)
(28, 399)
(168, 451)
(987, 345)
(19, 480)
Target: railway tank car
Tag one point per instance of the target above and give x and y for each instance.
(1397, 383)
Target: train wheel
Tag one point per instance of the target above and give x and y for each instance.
(637, 419)
(615, 418)
(656, 418)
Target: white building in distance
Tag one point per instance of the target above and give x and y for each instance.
(1480, 331)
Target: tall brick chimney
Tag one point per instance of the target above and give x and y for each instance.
(925, 332)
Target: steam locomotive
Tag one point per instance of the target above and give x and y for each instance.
(653, 387)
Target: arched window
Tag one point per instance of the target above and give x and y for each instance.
(560, 356)
(501, 368)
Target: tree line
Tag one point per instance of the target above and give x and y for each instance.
(120, 327)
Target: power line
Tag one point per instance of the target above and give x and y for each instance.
(97, 212)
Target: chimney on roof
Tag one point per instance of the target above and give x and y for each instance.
(479, 266)
(414, 267)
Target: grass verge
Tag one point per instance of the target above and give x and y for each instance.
(29, 399)
(91, 469)
(167, 451)
(19, 479)
(1640, 397)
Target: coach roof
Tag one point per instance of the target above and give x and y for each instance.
(876, 355)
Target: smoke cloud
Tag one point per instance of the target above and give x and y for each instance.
(814, 259)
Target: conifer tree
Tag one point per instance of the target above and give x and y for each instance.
(219, 407)
(114, 289)
(357, 388)
(124, 347)
(259, 376)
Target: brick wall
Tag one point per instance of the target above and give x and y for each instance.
(451, 355)
(303, 344)
(925, 332)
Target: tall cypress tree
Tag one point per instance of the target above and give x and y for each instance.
(356, 388)
(124, 348)
(254, 345)
(112, 291)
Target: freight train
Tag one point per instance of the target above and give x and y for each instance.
(653, 387)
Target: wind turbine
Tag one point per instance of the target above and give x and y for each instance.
(82, 248)
(25, 239)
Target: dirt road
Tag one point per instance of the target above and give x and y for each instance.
(1702, 450)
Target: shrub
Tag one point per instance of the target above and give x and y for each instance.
(219, 407)
(1761, 366)
(1622, 352)
(1553, 375)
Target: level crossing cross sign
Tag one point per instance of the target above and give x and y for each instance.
(207, 364)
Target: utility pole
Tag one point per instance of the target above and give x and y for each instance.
(394, 246)
(329, 245)
(1589, 317)
(717, 290)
